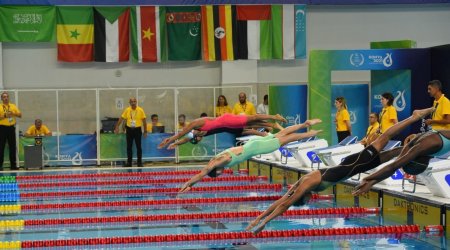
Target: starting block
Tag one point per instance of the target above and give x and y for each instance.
(300, 150)
(437, 177)
(334, 155)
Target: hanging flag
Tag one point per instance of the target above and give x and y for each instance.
(27, 23)
(253, 32)
(75, 34)
(184, 33)
(300, 31)
(111, 34)
(217, 33)
(148, 34)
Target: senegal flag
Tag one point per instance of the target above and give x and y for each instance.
(75, 34)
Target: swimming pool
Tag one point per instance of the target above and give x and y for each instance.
(140, 209)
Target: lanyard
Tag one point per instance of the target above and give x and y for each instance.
(435, 108)
(131, 113)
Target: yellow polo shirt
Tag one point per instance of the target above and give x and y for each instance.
(182, 127)
(3, 110)
(137, 115)
(442, 109)
(387, 115)
(341, 117)
(246, 109)
(37, 132)
(150, 126)
(372, 128)
(223, 110)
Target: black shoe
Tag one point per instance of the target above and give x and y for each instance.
(128, 165)
(140, 165)
(15, 168)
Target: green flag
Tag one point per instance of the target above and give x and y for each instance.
(184, 33)
(27, 23)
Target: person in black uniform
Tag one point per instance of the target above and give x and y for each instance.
(321, 179)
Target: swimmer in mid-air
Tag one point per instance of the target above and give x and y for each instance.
(255, 146)
(210, 125)
(321, 179)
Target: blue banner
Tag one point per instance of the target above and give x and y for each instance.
(290, 101)
(396, 82)
(358, 105)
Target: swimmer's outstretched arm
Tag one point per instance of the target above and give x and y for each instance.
(195, 124)
(306, 184)
(217, 161)
(178, 143)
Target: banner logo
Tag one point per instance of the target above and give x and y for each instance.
(387, 60)
(356, 59)
(399, 101)
(77, 160)
(353, 118)
(379, 59)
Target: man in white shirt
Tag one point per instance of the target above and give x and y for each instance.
(263, 108)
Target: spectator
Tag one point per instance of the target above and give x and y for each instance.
(263, 108)
(135, 120)
(343, 125)
(388, 116)
(222, 106)
(440, 119)
(203, 115)
(244, 107)
(182, 123)
(155, 123)
(38, 129)
(8, 115)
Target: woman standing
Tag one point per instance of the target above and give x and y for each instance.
(388, 115)
(343, 125)
(222, 106)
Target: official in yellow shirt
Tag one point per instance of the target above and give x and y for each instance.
(38, 129)
(372, 129)
(155, 122)
(244, 107)
(343, 125)
(222, 106)
(8, 114)
(135, 120)
(440, 119)
(182, 123)
(388, 116)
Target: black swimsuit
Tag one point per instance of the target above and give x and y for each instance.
(357, 163)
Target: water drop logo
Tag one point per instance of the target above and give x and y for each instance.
(447, 179)
(399, 101)
(199, 151)
(397, 175)
(297, 119)
(356, 59)
(353, 118)
(387, 60)
(77, 160)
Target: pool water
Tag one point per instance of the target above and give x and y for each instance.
(127, 224)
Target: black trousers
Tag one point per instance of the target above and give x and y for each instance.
(136, 135)
(342, 135)
(8, 134)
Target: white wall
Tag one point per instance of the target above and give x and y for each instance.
(328, 27)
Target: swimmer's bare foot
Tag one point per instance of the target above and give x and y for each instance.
(278, 126)
(420, 113)
(280, 118)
